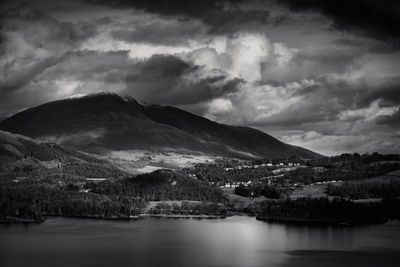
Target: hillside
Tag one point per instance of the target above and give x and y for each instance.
(107, 122)
(240, 140)
(21, 156)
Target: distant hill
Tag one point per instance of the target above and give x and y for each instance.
(103, 122)
(23, 156)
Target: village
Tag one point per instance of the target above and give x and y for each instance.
(288, 178)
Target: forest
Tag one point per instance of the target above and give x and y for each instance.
(346, 167)
(367, 189)
(159, 185)
(323, 211)
(64, 189)
(31, 200)
(113, 198)
(189, 208)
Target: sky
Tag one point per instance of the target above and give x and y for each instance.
(324, 75)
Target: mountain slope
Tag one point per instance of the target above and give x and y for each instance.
(106, 121)
(23, 156)
(240, 140)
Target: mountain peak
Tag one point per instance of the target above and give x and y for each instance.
(95, 94)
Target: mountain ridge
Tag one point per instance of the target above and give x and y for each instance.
(107, 121)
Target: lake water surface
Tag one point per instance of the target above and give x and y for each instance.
(235, 241)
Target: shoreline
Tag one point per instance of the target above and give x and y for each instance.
(288, 221)
(183, 216)
(142, 216)
(21, 220)
(316, 222)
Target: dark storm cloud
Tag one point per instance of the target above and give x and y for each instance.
(161, 67)
(375, 47)
(163, 79)
(230, 21)
(378, 19)
(222, 16)
(15, 18)
(238, 62)
(33, 42)
(389, 93)
(22, 78)
(177, 31)
(309, 64)
(392, 120)
(166, 32)
(195, 9)
(41, 59)
(170, 80)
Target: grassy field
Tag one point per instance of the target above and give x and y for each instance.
(313, 191)
(230, 194)
(143, 161)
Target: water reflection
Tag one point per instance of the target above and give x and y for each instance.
(236, 241)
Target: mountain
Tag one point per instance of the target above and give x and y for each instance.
(105, 121)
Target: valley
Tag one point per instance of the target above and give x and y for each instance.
(113, 158)
(40, 179)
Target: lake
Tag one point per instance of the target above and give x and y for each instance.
(234, 241)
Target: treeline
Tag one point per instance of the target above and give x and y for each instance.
(189, 208)
(343, 171)
(329, 161)
(31, 200)
(32, 197)
(366, 158)
(367, 189)
(345, 167)
(160, 185)
(353, 159)
(323, 211)
(217, 173)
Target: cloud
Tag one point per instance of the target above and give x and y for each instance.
(250, 63)
(369, 113)
(390, 119)
(283, 86)
(170, 7)
(378, 19)
(157, 30)
(163, 79)
(308, 89)
(218, 106)
(240, 55)
(31, 42)
(370, 46)
(263, 105)
(170, 80)
(338, 144)
(220, 16)
(290, 65)
(236, 20)
(388, 92)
